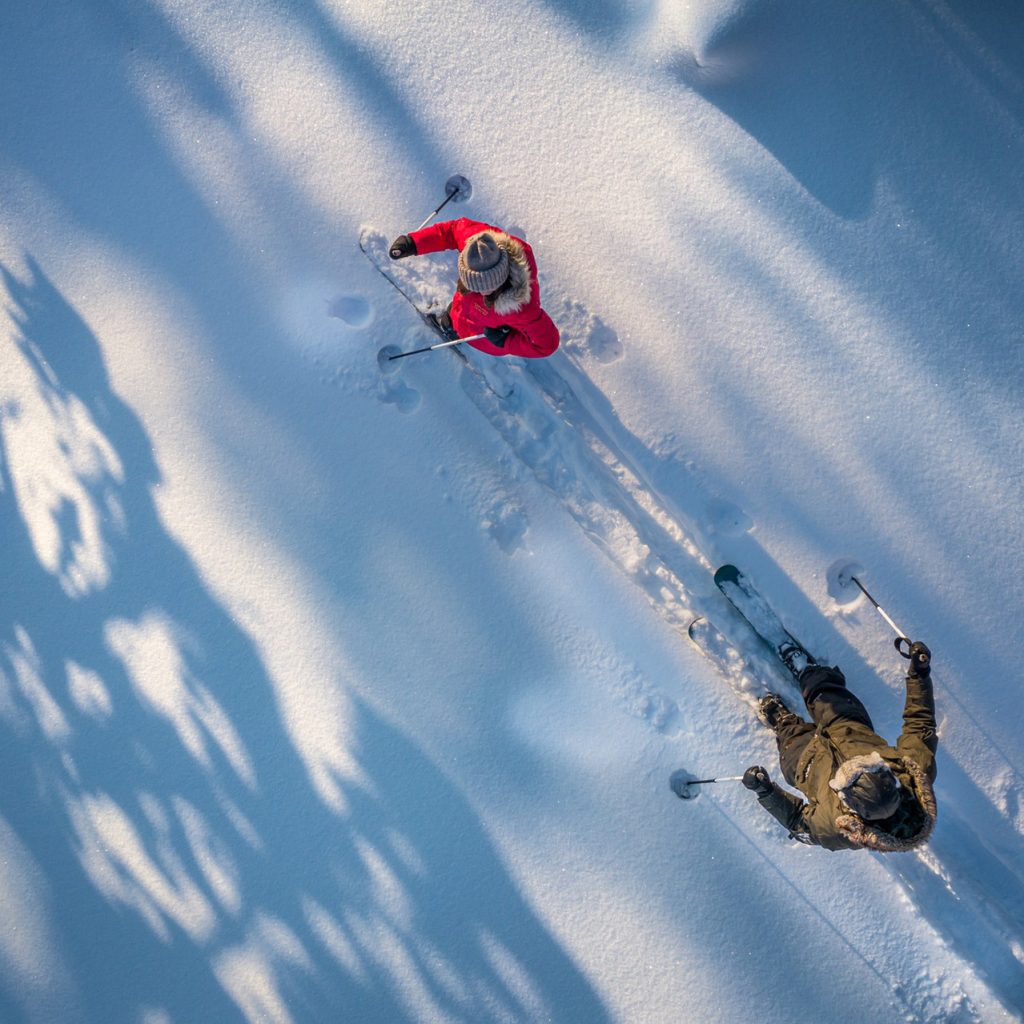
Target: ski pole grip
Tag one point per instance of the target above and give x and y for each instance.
(899, 642)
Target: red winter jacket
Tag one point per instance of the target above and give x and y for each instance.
(533, 334)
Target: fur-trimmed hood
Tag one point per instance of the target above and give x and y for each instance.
(518, 291)
(911, 826)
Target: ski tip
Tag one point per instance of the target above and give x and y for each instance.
(370, 237)
(727, 574)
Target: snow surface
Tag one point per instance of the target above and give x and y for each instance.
(329, 695)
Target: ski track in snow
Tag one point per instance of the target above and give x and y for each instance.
(563, 431)
(615, 504)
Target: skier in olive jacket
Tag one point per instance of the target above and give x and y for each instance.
(861, 792)
(497, 292)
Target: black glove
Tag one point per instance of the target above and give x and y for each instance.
(920, 659)
(401, 247)
(756, 778)
(497, 335)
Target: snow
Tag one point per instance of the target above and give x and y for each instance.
(334, 695)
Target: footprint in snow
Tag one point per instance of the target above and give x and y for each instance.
(643, 701)
(507, 526)
(394, 391)
(728, 519)
(352, 310)
(585, 332)
(603, 343)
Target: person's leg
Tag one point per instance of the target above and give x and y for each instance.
(827, 698)
(792, 734)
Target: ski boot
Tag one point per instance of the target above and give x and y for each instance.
(442, 323)
(771, 710)
(795, 658)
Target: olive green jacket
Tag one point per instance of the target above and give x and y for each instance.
(824, 820)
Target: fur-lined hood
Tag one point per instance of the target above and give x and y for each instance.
(908, 828)
(518, 290)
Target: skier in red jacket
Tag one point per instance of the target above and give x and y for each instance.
(497, 293)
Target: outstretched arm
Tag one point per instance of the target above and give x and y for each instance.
(449, 234)
(786, 809)
(919, 739)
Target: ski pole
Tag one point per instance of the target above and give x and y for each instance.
(456, 188)
(681, 783)
(440, 344)
(901, 637)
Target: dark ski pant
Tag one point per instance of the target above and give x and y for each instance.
(828, 700)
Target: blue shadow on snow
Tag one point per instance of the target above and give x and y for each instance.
(151, 932)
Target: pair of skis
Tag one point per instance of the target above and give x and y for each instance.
(766, 625)
(765, 622)
(759, 615)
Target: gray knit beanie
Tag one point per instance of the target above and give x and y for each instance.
(483, 264)
(867, 785)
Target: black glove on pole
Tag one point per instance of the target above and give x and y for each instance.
(756, 778)
(497, 335)
(920, 658)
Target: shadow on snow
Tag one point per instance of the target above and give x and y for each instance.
(182, 800)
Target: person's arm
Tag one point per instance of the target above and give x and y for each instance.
(919, 739)
(533, 340)
(449, 234)
(785, 808)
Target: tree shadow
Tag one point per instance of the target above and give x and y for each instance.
(108, 511)
(127, 185)
(968, 885)
(363, 75)
(191, 867)
(604, 19)
(793, 94)
(837, 107)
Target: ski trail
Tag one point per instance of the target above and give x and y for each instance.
(606, 490)
(572, 444)
(576, 455)
(572, 453)
(550, 433)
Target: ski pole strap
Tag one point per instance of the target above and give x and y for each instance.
(922, 657)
